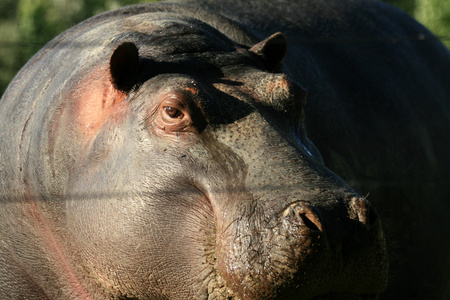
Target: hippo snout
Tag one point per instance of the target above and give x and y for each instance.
(344, 237)
(336, 226)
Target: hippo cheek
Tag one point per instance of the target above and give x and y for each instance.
(158, 223)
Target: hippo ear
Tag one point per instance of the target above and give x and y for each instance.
(272, 51)
(124, 66)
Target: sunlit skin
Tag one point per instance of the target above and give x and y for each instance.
(172, 156)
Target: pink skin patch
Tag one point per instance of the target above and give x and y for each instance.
(95, 100)
(91, 102)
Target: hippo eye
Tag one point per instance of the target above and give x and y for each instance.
(173, 113)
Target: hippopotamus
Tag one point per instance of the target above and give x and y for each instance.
(171, 151)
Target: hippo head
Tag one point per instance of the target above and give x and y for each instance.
(185, 172)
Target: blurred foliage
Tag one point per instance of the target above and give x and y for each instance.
(405, 5)
(435, 14)
(27, 25)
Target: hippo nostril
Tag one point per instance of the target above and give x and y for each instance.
(362, 211)
(309, 217)
(308, 222)
(305, 215)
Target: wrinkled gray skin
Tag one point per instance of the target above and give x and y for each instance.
(159, 152)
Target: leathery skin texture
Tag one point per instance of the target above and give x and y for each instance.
(160, 151)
